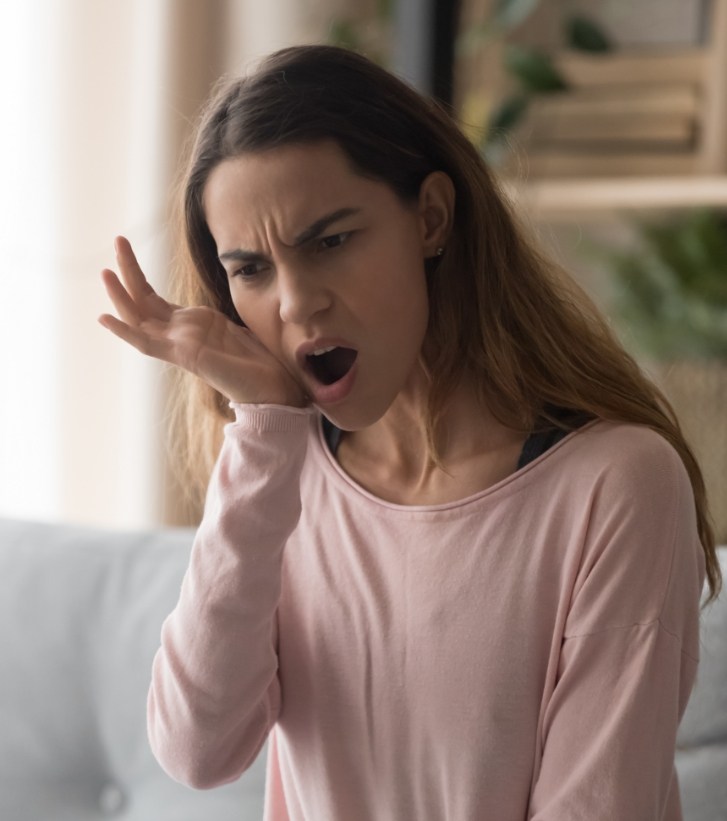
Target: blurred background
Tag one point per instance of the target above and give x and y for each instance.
(606, 121)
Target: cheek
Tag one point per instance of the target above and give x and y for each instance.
(255, 316)
(407, 295)
(398, 316)
(241, 306)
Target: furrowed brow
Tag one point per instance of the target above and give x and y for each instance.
(319, 226)
(238, 255)
(311, 232)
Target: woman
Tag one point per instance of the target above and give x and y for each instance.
(454, 542)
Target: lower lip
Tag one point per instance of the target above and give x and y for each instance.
(336, 391)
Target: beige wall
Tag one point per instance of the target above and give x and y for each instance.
(131, 76)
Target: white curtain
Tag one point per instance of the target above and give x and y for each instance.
(98, 99)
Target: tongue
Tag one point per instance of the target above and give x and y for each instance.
(334, 365)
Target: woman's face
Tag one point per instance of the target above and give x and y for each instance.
(326, 268)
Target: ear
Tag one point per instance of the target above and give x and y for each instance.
(436, 211)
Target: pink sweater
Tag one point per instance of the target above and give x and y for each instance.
(525, 653)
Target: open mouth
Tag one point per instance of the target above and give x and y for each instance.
(331, 364)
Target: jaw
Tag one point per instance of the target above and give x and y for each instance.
(401, 412)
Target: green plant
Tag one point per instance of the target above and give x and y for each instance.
(533, 70)
(672, 287)
(371, 36)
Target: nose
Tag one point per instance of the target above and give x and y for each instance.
(300, 294)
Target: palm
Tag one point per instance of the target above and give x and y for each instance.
(200, 340)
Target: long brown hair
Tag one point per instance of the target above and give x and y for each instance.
(498, 308)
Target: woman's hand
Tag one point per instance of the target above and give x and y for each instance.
(200, 340)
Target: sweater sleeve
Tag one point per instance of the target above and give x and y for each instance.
(214, 692)
(629, 654)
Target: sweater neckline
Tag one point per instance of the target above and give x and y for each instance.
(352, 488)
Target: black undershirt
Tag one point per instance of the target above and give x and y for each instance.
(535, 445)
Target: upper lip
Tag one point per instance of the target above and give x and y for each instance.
(311, 345)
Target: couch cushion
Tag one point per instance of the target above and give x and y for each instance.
(80, 616)
(705, 719)
(702, 782)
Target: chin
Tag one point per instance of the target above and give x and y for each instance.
(350, 418)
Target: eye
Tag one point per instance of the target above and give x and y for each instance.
(249, 271)
(333, 241)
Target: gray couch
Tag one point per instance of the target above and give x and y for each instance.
(80, 613)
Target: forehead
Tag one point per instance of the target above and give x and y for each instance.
(258, 198)
(285, 180)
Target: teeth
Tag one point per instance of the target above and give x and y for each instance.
(321, 351)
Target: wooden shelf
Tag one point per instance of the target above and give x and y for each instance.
(569, 200)
(587, 155)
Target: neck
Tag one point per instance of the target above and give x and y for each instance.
(391, 457)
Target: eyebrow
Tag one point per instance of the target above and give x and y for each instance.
(313, 231)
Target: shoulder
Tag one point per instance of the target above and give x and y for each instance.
(640, 531)
(626, 440)
(625, 460)
(629, 476)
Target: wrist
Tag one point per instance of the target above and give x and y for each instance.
(269, 416)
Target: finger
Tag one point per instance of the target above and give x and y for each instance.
(123, 303)
(137, 284)
(133, 276)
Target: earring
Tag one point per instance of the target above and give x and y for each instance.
(440, 251)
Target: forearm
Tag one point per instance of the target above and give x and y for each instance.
(214, 692)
